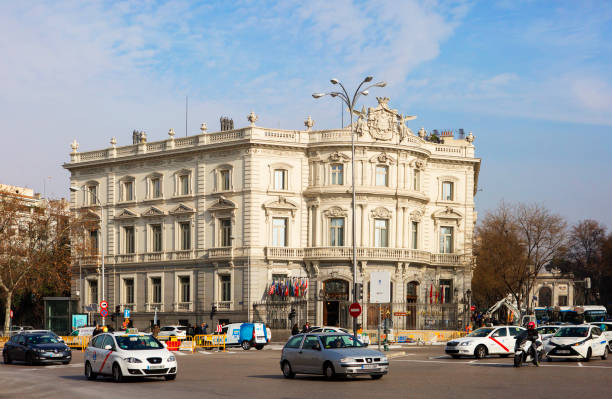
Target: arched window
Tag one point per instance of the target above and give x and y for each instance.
(545, 297)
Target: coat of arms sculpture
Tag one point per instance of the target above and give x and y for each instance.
(382, 123)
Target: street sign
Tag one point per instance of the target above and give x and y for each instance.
(400, 313)
(380, 283)
(103, 312)
(355, 309)
(11, 313)
(103, 304)
(126, 313)
(472, 308)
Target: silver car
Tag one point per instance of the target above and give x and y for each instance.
(331, 354)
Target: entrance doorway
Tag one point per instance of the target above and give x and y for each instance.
(334, 306)
(331, 313)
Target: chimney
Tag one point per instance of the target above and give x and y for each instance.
(226, 123)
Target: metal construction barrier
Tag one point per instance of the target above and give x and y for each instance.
(417, 336)
(3, 339)
(210, 341)
(78, 342)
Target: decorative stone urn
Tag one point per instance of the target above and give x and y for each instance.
(252, 118)
(309, 123)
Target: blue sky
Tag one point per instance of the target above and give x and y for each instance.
(531, 79)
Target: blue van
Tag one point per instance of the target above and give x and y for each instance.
(246, 335)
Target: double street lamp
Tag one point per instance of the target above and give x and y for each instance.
(97, 200)
(350, 102)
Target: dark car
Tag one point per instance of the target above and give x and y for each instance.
(36, 348)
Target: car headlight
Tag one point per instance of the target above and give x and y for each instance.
(172, 358)
(39, 350)
(132, 360)
(347, 360)
(384, 359)
(465, 343)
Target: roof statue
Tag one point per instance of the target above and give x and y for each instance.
(382, 122)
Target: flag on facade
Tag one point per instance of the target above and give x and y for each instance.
(431, 294)
(441, 294)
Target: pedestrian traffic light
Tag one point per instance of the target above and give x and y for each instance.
(359, 291)
(292, 314)
(213, 311)
(118, 309)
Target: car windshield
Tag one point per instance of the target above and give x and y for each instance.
(339, 341)
(580, 332)
(138, 342)
(167, 329)
(41, 339)
(481, 332)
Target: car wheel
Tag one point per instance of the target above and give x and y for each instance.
(117, 375)
(328, 371)
(376, 376)
(170, 377)
(480, 352)
(287, 371)
(7, 358)
(548, 359)
(89, 374)
(605, 354)
(505, 355)
(259, 347)
(455, 356)
(66, 362)
(588, 355)
(518, 360)
(246, 345)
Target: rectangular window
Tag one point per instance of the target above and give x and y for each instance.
(93, 291)
(446, 240)
(279, 232)
(381, 233)
(128, 287)
(185, 231)
(156, 187)
(183, 184)
(562, 300)
(92, 194)
(128, 191)
(156, 290)
(156, 237)
(185, 289)
(226, 287)
(382, 175)
(445, 291)
(225, 180)
(447, 191)
(93, 241)
(129, 241)
(337, 174)
(280, 179)
(416, 180)
(226, 232)
(336, 232)
(415, 235)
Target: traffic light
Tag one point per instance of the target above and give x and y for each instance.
(359, 295)
(213, 311)
(118, 309)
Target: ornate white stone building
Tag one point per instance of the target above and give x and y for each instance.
(227, 219)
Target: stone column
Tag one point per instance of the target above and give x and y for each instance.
(309, 228)
(400, 226)
(364, 227)
(316, 226)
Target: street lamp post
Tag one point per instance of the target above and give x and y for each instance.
(350, 102)
(85, 189)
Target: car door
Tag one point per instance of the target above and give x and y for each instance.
(12, 347)
(20, 348)
(97, 353)
(502, 342)
(106, 361)
(599, 342)
(310, 358)
(291, 349)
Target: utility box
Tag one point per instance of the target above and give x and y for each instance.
(58, 314)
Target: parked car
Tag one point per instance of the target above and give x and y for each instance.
(485, 341)
(577, 342)
(35, 348)
(548, 331)
(363, 338)
(83, 332)
(331, 354)
(18, 329)
(246, 335)
(60, 339)
(128, 354)
(180, 332)
(606, 331)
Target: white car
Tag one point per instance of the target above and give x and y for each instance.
(577, 342)
(606, 331)
(498, 340)
(128, 354)
(363, 338)
(547, 331)
(180, 332)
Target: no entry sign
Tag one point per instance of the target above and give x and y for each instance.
(355, 309)
(103, 304)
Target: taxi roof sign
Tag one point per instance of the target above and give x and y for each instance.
(131, 330)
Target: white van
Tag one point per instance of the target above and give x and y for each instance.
(246, 335)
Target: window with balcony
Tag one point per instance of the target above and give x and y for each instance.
(416, 180)
(279, 232)
(225, 280)
(382, 175)
(381, 233)
(280, 179)
(337, 174)
(183, 184)
(225, 182)
(446, 240)
(415, 235)
(92, 194)
(155, 187)
(225, 232)
(185, 235)
(156, 290)
(447, 191)
(156, 238)
(129, 241)
(127, 190)
(128, 291)
(336, 232)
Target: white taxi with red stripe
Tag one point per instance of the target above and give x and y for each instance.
(128, 354)
(498, 340)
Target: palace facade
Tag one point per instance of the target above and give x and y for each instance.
(250, 223)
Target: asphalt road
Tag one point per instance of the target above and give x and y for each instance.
(421, 372)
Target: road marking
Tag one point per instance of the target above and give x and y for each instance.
(481, 364)
(580, 364)
(204, 352)
(179, 353)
